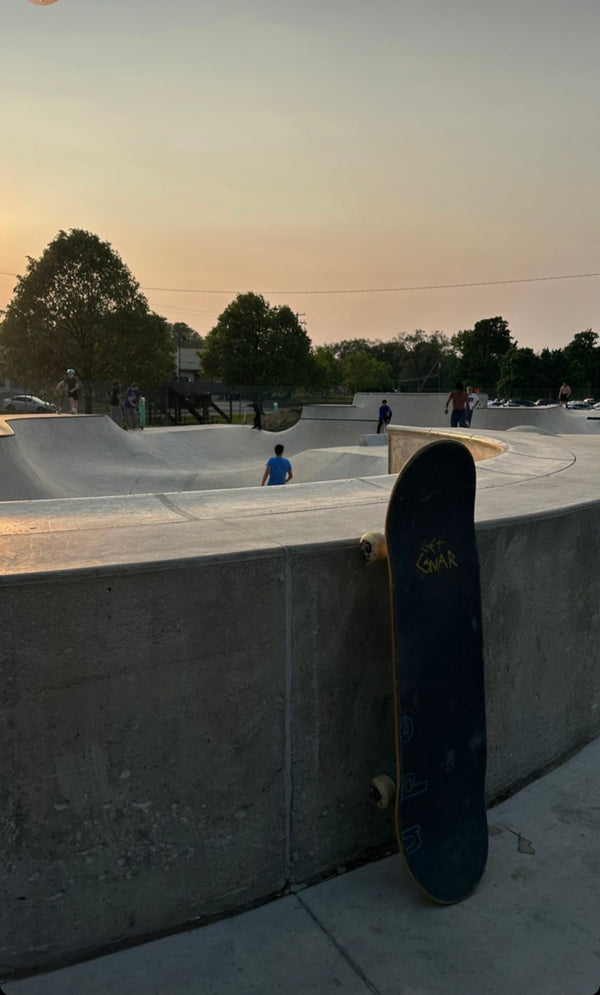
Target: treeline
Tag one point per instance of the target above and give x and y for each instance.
(79, 306)
(486, 356)
(254, 343)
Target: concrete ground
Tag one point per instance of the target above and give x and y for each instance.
(532, 927)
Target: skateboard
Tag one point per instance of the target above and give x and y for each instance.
(438, 681)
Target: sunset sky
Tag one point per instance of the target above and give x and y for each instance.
(320, 145)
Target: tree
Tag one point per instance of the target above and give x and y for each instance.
(409, 358)
(142, 342)
(481, 350)
(347, 346)
(553, 367)
(425, 356)
(185, 337)
(254, 344)
(361, 371)
(328, 369)
(582, 357)
(519, 369)
(78, 305)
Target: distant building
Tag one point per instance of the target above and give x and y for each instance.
(187, 364)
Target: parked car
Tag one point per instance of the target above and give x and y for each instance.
(28, 404)
(545, 401)
(516, 402)
(579, 405)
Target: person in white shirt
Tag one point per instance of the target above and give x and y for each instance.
(473, 402)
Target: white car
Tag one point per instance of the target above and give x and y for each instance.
(28, 404)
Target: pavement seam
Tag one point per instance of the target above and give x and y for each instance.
(341, 950)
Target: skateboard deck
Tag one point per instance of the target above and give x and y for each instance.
(438, 679)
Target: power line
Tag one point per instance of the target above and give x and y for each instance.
(383, 290)
(374, 290)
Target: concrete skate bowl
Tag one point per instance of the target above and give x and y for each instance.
(45, 457)
(66, 456)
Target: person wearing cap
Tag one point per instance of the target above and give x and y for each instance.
(132, 404)
(71, 385)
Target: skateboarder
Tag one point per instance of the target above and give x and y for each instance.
(278, 469)
(257, 408)
(564, 394)
(70, 384)
(385, 416)
(460, 406)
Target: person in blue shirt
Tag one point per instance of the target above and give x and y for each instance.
(278, 469)
(385, 417)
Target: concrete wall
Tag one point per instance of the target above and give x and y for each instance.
(404, 442)
(183, 738)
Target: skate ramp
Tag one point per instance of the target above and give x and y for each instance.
(88, 456)
(421, 410)
(551, 420)
(427, 411)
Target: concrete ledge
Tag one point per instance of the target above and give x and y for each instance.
(405, 440)
(197, 687)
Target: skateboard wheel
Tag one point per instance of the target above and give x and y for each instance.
(373, 546)
(383, 790)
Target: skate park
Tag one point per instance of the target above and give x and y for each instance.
(209, 695)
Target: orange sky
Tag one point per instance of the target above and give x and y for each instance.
(338, 145)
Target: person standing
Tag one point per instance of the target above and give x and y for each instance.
(278, 469)
(70, 384)
(460, 404)
(385, 417)
(257, 408)
(564, 394)
(473, 401)
(116, 405)
(132, 403)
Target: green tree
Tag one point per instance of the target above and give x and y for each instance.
(519, 369)
(582, 357)
(425, 357)
(137, 347)
(328, 369)
(480, 351)
(78, 305)
(553, 370)
(362, 372)
(185, 337)
(347, 346)
(254, 344)
(409, 358)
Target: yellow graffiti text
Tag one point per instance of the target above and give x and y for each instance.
(434, 558)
